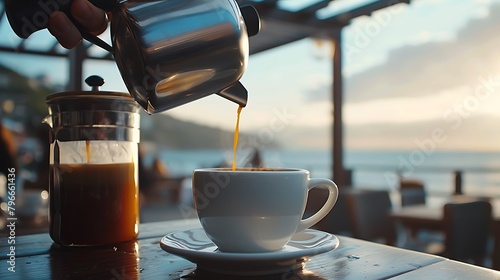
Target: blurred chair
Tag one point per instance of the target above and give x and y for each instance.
(467, 231)
(496, 248)
(412, 192)
(369, 215)
(337, 221)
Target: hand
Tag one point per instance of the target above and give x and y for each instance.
(89, 16)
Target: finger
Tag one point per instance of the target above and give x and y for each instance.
(89, 16)
(65, 32)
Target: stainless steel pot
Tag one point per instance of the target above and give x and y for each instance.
(169, 52)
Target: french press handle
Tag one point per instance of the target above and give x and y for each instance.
(28, 16)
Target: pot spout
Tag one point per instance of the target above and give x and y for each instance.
(236, 93)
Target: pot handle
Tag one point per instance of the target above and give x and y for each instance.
(27, 17)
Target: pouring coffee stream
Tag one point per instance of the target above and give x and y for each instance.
(168, 52)
(236, 136)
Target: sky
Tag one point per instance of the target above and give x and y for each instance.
(418, 76)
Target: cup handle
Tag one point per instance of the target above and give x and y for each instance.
(333, 194)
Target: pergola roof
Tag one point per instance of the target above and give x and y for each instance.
(287, 21)
(283, 22)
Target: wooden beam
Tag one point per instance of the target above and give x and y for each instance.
(338, 136)
(365, 10)
(254, 48)
(76, 57)
(315, 7)
(305, 18)
(277, 14)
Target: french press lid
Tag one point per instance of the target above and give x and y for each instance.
(93, 115)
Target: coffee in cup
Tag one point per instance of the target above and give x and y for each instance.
(256, 209)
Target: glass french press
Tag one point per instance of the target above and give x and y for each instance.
(94, 195)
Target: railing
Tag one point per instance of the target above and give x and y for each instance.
(457, 177)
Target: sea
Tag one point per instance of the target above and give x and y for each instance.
(371, 169)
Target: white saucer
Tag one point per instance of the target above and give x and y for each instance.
(195, 246)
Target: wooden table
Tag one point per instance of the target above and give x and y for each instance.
(417, 217)
(430, 216)
(427, 217)
(37, 258)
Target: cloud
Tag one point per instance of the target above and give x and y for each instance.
(425, 69)
(474, 133)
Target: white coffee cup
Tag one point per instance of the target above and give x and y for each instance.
(256, 209)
